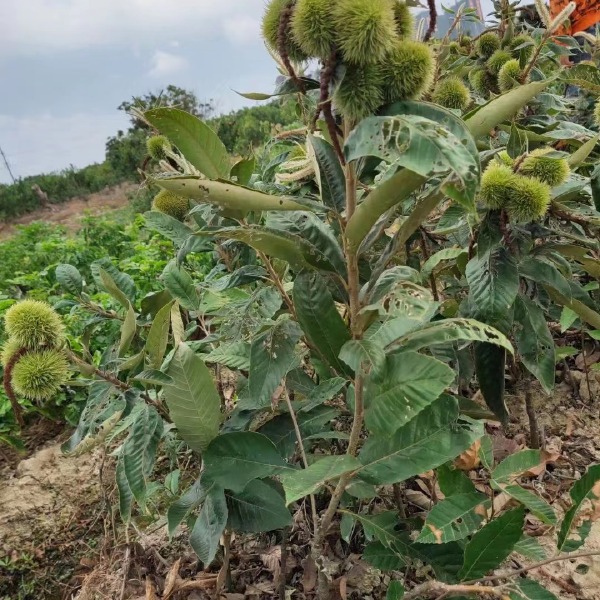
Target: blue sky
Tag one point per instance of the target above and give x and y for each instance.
(65, 66)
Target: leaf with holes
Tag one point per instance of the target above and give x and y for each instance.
(234, 355)
(271, 357)
(436, 435)
(411, 383)
(454, 518)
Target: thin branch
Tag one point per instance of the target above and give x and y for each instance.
(313, 504)
(278, 283)
(223, 575)
(282, 33)
(439, 590)
(432, 20)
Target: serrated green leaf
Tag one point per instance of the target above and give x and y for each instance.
(121, 281)
(234, 459)
(395, 591)
(330, 176)
(154, 377)
(358, 352)
(516, 464)
(410, 384)
(382, 557)
(128, 330)
(453, 518)
(125, 495)
(420, 144)
(541, 509)
(490, 546)
(436, 435)
(195, 140)
(69, 278)
(139, 452)
(319, 317)
(111, 287)
(534, 342)
(173, 229)
(181, 286)
(209, 525)
(530, 548)
(158, 336)
(178, 510)
(271, 357)
(531, 590)
(235, 355)
(193, 401)
(584, 488)
(490, 362)
(454, 481)
(451, 330)
(298, 484)
(260, 507)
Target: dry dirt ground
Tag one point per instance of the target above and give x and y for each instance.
(59, 539)
(70, 213)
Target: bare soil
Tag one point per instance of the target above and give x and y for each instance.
(61, 525)
(69, 213)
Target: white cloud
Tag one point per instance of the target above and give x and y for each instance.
(242, 30)
(165, 64)
(55, 25)
(44, 143)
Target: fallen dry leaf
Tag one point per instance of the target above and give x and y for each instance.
(272, 561)
(171, 579)
(309, 574)
(546, 457)
(150, 591)
(469, 459)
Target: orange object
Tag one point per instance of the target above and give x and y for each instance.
(585, 16)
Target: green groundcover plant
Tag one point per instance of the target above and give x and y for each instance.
(409, 237)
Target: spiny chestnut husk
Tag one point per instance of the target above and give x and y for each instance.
(360, 92)
(171, 204)
(158, 146)
(519, 40)
(452, 93)
(313, 28)
(509, 75)
(270, 30)
(365, 29)
(497, 60)
(528, 199)
(39, 374)
(407, 71)
(496, 185)
(487, 44)
(33, 324)
(539, 164)
(405, 22)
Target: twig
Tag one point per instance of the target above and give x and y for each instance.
(126, 565)
(439, 590)
(285, 534)
(277, 281)
(327, 71)
(282, 32)
(224, 570)
(313, 504)
(432, 20)
(534, 430)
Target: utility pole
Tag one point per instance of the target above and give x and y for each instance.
(7, 165)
